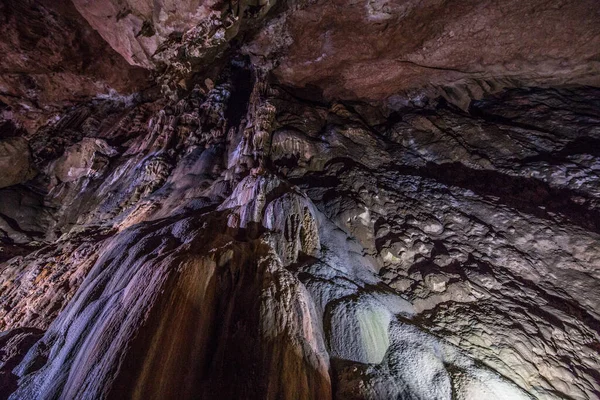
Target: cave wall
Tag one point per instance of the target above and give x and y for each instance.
(240, 230)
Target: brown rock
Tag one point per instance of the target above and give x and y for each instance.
(50, 58)
(181, 35)
(375, 49)
(86, 158)
(237, 238)
(15, 162)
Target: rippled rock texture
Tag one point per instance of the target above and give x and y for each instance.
(326, 250)
(248, 226)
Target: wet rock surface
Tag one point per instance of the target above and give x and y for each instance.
(251, 228)
(432, 252)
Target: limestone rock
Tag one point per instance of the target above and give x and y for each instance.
(414, 258)
(86, 158)
(252, 228)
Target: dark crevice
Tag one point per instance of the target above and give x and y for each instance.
(495, 119)
(14, 225)
(581, 145)
(527, 195)
(242, 83)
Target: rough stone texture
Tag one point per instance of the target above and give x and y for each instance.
(15, 344)
(356, 260)
(86, 158)
(15, 161)
(177, 38)
(224, 235)
(376, 49)
(51, 58)
(481, 222)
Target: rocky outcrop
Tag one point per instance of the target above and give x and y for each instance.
(394, 52)
(178, 40)
(149, 32)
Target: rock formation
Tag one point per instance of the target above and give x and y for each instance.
(300, 200)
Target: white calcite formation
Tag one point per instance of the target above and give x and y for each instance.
(243, 243)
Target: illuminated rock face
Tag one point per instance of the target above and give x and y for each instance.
(232, 237)
(390, 262)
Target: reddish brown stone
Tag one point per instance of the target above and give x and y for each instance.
(50, 57)
(373, 49)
